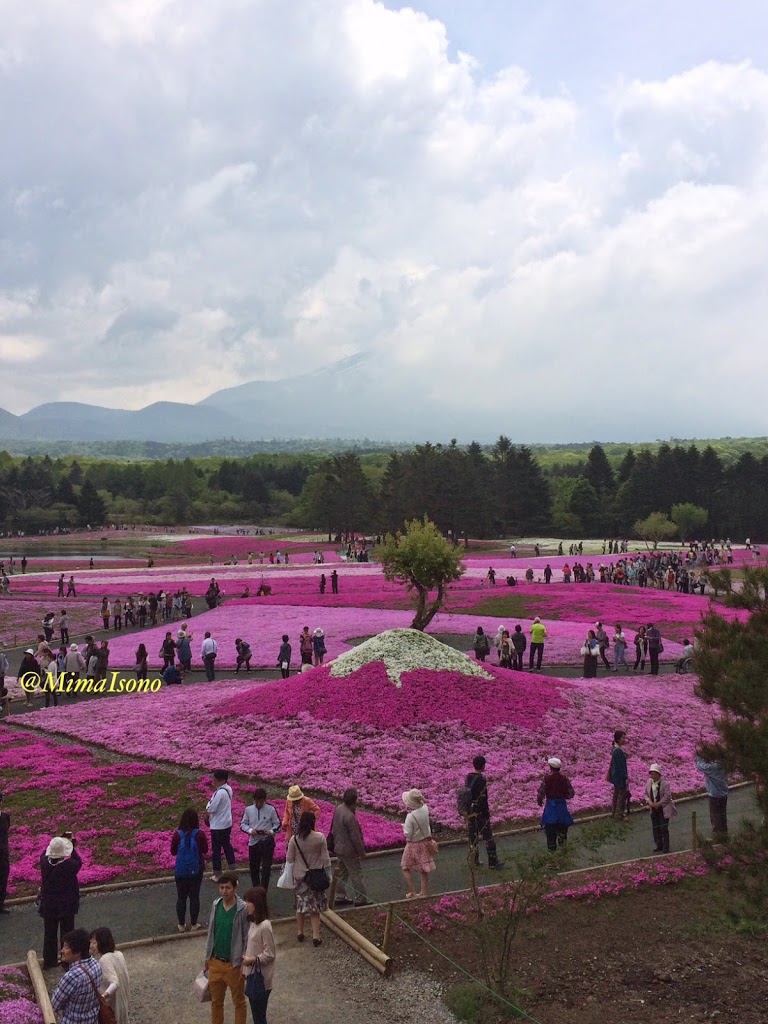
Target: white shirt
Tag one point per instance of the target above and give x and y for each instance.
(416, 825)
(209, 646)
(219, 808)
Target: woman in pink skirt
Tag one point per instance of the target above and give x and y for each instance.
(417, 855)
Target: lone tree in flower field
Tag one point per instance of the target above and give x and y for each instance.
(422, 559)
(654, 528)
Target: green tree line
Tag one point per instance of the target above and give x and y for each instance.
(504, 490)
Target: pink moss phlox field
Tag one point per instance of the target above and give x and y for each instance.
(22, 617)
(90, 809)
(425, 696)
(454, 909)
(326, 751)
(17, 1001)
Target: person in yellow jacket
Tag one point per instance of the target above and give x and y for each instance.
(538, 635)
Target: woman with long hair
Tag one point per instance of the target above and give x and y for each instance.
(306, 851)
(141, 662)
(259, 957)
(115, 986)
(189, 845)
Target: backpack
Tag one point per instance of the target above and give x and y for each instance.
(464, 800)
(188, 855)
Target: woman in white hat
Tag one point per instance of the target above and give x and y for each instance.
(297, 804)
(658, 798)
(556, 790)
(318, 646)
(59, 894)
(29, 675)
(418, 854)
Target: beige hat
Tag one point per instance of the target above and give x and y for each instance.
(554, 762)
(59, 847)
(29, 650)
(655, 768)
(294, 793)
(319, 632)
(413, 799)
(73, 647)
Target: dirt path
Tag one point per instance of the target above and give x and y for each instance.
(328, 985)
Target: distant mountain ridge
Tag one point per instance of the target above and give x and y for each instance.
(341, 400)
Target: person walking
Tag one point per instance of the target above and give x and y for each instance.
(334, 582)
(419, 845)
(284, 657)
(59, 895)
(258, 961)
(224, 949)
(658, 798)
(554, 792)
(655, 647)
(75, 1000)
(481, 645)
(618, 776)
(538, 636)
(115, 984)
(519, 643)
(168, 650)
(208, 651)
(71, 589)
(218, 813)
(590, 652)
(308, 851)
(479, 816)
(641, 649)
(349, 849)
(716, 781)
(297, 804)
(189, 845)
(243, 654)
(603, 643)
(64, 626)
(261, 823)
(619, 649)
(106, 612)
(5, 856)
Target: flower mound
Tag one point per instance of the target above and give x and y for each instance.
(406, 650)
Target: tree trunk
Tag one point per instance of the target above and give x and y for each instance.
(424, 614)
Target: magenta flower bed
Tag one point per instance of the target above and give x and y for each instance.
(22, 617)
(378, 744)
(17, 1002)
(105, 822)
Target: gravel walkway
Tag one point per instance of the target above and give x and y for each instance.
(329, 985)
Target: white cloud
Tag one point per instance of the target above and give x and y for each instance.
(193, 195)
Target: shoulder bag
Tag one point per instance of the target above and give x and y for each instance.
(316, 878)
(106, 1013)
(254, 983)
(432, 846)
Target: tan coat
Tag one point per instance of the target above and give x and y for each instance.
(347, 834)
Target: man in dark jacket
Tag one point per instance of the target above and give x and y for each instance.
(349, 848)
(479, 817)
(653, 636)
(59, 894)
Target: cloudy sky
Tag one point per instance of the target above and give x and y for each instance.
(555, 211)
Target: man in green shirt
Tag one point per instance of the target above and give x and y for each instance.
(227, 937)
(538, 635)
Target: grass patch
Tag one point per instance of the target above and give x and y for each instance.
(475, 1004)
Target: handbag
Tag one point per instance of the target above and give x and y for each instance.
(585, 651)
(316, 878)
(106, 1013)
(200, 988)
(285, 881)
(254, 983)
(432, 846)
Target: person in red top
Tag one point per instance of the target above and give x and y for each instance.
(555, 789)
(188, 883)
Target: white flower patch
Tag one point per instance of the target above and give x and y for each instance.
(404, 650)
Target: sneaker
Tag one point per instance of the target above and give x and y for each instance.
(180, 928)
(197, 927)
(497, 866)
